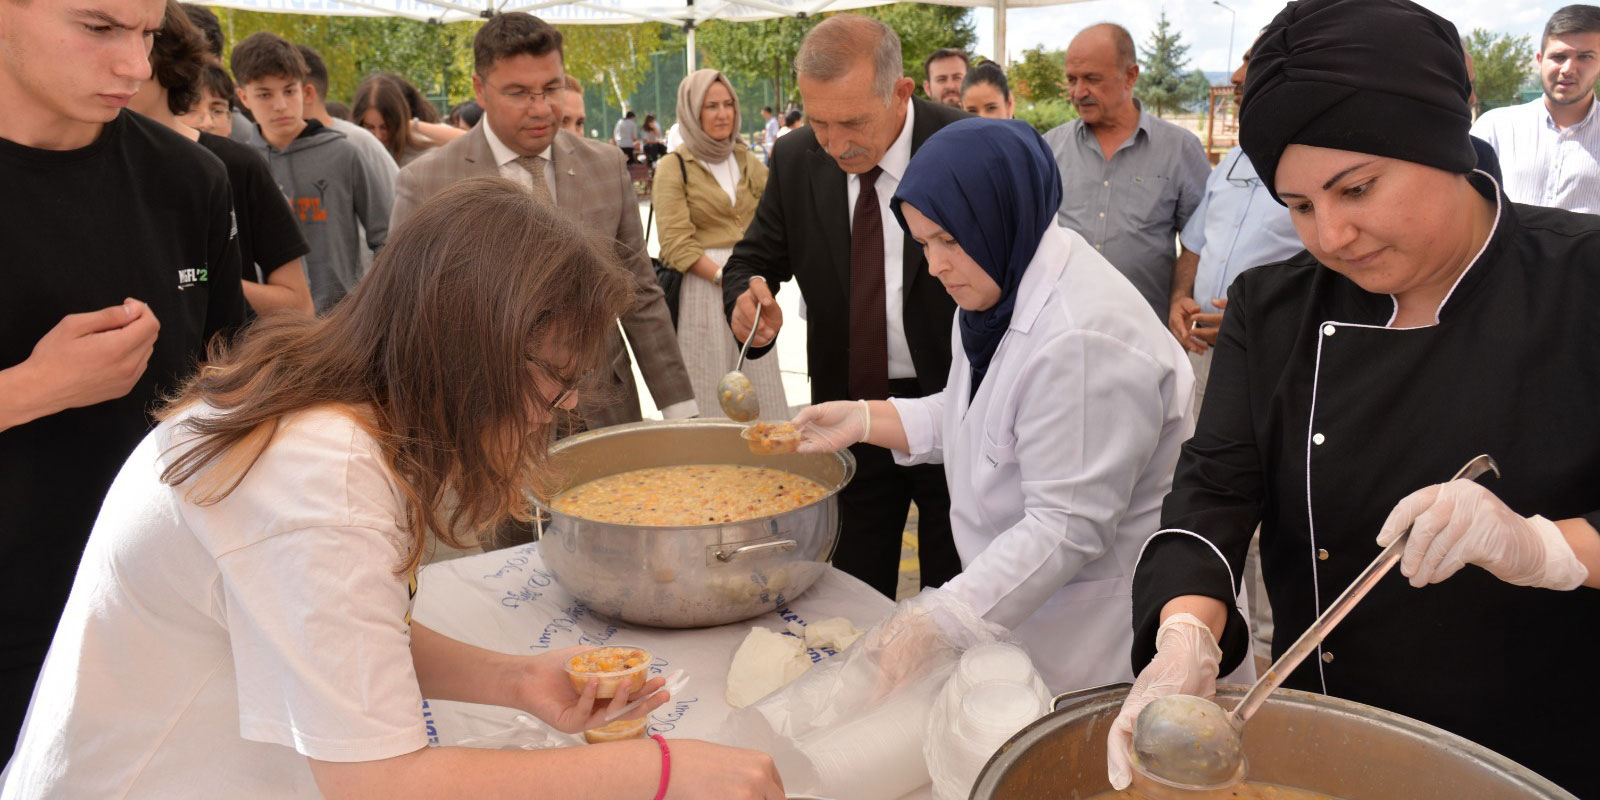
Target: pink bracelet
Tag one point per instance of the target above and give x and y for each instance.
(666, 766)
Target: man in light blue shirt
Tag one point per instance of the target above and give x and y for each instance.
(1238, 225)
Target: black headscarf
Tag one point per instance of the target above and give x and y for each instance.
(1383, 77)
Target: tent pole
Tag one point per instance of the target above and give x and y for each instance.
(688, 30)
(1000, 34)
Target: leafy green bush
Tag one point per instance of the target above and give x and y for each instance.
(1046, 114)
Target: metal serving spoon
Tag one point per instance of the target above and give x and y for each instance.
(734, 392)
(1191, 744)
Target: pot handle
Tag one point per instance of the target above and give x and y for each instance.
(725, 553)
(1068, 698)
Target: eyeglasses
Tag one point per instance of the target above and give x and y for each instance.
(1254, 180)
(569, 388)
(523, 98)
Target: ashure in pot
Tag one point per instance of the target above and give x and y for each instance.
(689, 576)
(1297, 739)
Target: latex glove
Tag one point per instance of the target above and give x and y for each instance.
(1461, 522)
(833, 426)
(1187, 661)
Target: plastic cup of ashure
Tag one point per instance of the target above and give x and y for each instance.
(611, 667)
(621, 730)
(772, 438)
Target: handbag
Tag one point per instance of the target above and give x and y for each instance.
(670, 279)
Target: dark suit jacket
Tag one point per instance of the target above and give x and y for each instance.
(592, 184)
(802, 230)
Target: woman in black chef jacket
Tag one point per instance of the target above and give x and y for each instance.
(1429, 321)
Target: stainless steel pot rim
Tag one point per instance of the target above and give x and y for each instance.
(707, 527)
(540, 504)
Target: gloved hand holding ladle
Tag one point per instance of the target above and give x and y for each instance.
(1191, 744)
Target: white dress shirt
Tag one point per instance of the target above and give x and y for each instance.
(505, 160)
(893, 163)
(1057, 468)
(1543, 165)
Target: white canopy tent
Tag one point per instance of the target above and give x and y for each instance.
(687, 15)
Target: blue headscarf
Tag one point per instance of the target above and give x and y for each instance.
(993, 185)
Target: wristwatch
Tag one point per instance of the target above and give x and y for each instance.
(716, 280)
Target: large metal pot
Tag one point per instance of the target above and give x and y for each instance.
(689, 577)
(1309, 741)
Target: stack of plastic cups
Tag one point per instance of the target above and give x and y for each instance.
(993, 662)
(993, 693)
(876, 756)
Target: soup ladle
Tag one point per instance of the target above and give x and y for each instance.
(1190, 743)
(735, 393)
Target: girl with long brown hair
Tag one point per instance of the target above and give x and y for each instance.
(240, 620)
(390, 108)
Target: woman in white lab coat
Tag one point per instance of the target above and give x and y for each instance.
(1065, 408)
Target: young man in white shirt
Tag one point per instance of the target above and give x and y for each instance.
(1549, 149)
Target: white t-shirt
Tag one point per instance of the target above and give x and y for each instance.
(206, 651)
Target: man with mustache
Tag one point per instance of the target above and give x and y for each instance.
(879, 324)
(1549, 149)
(520, 80)
(1131, 180)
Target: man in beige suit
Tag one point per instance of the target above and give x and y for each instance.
(519, 80)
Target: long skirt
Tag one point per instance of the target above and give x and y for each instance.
(710, 351)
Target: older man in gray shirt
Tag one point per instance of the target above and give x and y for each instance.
(1131, 180)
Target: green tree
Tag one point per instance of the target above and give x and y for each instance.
(761, 51)
(765, 50)
(1503, 63)
(436, 58)
(1040, 76)
(924, 28)
(1161, 75)
(1046, 114)
(616, 58)
(1196, 91)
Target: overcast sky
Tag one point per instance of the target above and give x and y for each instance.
(1205, 26)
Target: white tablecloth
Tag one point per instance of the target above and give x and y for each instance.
(507, 601)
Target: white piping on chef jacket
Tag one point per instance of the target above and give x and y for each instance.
(1232, 581)
(1316, 377)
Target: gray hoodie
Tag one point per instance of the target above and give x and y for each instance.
(335, 196)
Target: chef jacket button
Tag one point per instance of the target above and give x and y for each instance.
(1102, 215)
(1322, 555)
(1317, 438)
(1327, 658)
(1108, 183)
(1327, 330)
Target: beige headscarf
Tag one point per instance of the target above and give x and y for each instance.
(691, 96)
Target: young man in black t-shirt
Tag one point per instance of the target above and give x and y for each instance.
(120, 264)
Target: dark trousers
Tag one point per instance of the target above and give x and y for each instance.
(627, 151)
(873, 511)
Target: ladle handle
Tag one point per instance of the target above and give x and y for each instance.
(1336, 612)
(740, 364)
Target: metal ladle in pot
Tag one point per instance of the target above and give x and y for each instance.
(735, 393)
(1191, 744)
